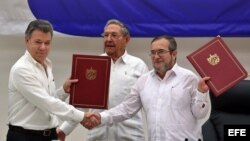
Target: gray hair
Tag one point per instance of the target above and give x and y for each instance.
(124, 28)
(41, 25)
(172, 42)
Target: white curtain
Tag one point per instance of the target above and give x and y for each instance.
(14, 17)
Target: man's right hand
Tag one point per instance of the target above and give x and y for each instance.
(91, 120)
(60, 134)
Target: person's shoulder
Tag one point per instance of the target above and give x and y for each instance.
(22, 63)
(150, 73)
(187, 75)
(144, 77)
(134, 58)
(186, 71)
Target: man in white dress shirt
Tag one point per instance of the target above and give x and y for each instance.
(125, 70)
(173, 98)
(34, 103)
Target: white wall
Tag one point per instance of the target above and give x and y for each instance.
(12, 47)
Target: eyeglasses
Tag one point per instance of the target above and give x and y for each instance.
(159, 52)
(112, 35)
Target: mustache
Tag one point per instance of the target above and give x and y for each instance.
(109, 45)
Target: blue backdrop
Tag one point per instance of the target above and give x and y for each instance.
(147, 18)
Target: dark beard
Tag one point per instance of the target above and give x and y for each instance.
(166, 67)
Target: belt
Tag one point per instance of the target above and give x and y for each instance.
(46, 132)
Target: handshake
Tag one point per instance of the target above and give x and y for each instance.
(91, 120)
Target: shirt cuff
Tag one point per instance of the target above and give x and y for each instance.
(202, 96)
(104, 118)
(68, 127)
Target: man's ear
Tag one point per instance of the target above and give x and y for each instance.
(127, 39)
(26, 39)
(174, 53)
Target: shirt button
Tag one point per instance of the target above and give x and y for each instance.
(203, 105)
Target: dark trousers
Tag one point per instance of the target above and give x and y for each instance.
(20, 136)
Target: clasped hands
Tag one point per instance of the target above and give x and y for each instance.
(91, 120)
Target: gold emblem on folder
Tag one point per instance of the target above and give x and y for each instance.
(91, 74)
(213, 59)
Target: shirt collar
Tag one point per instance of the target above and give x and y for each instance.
(124, 58)
(173, 71)
(47, 61)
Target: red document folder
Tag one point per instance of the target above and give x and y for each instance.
(215, 60)
(93, 72)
